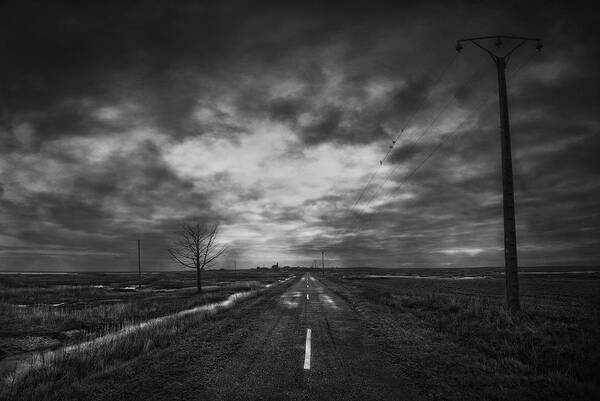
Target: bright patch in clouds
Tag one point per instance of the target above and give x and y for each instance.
(462, 251)
(269, 157)
(292, 179)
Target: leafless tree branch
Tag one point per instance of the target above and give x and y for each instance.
(196, 247)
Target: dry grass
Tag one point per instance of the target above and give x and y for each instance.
(33, 378)
(97, 318)
(49, 313)
(78, 321)
(543, 339)
(44, 319)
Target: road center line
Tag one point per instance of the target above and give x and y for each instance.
(307, 296)
(307, 353)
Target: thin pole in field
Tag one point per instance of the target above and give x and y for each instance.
(139, 265)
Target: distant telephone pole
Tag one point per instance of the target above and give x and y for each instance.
(508, 197)
(323, 261)
(139, 265)
(235, 265)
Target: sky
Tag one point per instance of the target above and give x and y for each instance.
(124, 120)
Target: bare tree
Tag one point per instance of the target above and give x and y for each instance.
(196, 247)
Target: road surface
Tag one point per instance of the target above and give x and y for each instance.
(262, 350)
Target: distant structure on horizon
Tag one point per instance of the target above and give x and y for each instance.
(276, 266)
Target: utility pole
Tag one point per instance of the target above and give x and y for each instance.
(508, 197)
(323, 261)
(234, 265)
(139, 265)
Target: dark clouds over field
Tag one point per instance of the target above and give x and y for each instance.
(119, 121)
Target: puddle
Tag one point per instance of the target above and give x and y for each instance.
(482, 277)
(291, 299)
(328, 301)
(39, 359)
(39, 305)
(562, 272)
(420, 277)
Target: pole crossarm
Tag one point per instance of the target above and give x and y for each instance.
(495, 56)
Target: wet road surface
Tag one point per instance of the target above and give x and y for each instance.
(264, 351)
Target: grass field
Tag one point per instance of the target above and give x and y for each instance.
(65, 327)
(48, 311)
(555, 338)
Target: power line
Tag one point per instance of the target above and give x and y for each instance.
(407, 122)
(420, 108)
(420, 139)
(453, 135)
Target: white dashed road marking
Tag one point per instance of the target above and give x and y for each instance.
(306, 296)
(307, 353)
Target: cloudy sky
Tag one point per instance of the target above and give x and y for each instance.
(119, 121)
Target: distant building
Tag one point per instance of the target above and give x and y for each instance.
(275, 266)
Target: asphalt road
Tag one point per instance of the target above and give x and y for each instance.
(275, 360)
(259, 351)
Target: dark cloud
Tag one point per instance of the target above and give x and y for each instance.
(107, 111)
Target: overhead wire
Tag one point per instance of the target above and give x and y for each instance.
(452, 136)
(397, 137)
(419, 140)
(419, 108)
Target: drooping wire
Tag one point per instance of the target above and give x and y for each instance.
(407, 122)
(420, 139)
(445, 139)
(420, 108)
(429, 155)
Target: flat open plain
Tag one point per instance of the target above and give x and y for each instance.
(373, 335)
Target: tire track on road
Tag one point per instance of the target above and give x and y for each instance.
(255, 356)
(326, 324)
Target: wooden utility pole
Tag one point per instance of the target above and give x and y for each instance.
(139, 265)
(508, 197)
(323, 261)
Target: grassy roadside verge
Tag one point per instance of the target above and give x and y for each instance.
(47, 311)
(54, 369)
(547, 345)
(77, 314)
